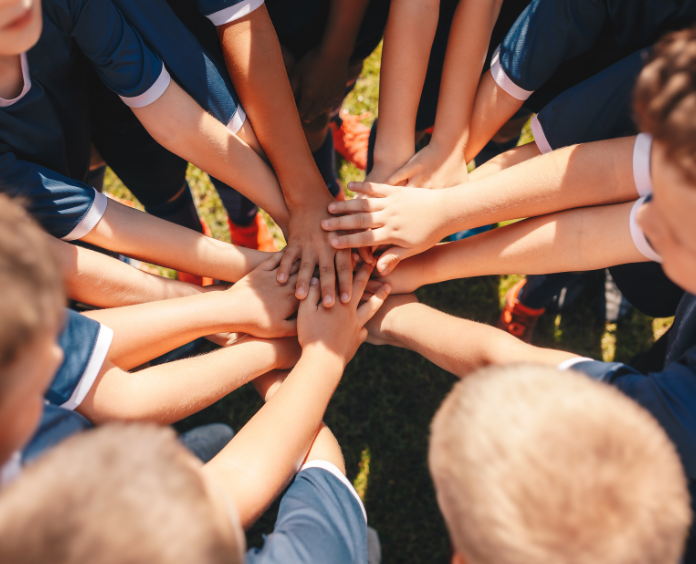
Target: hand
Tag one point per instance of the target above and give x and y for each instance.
(410, 275)
(262, 306)
(321, 80)
(311, 244)
(285, 352)
(432, 167)
(340, 329)
(378, 328)
(405, 218)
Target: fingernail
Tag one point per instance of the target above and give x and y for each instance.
(328, 300)
(332, 208)
(314, 282)
(381, 267)
(334, 242)
(345, 298)
(387, 288)
(350, 185)
(282, 278)
(301, 292)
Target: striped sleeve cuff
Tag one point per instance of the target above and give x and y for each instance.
(504, 81)
(331, 468)
(232, 13)
(540, 137)
(152, 94)
(90, 219)
(237, 120)
(96, 361)
(639, 239)
(568, 364)
(641, 164)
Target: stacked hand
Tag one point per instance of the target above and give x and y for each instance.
(432, 167)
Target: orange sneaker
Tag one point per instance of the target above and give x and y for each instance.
(193, 278)
(254, 236)
(517, 319)
(351, 138)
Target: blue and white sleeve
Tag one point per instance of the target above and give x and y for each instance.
(85, 344)
(65, 208)
(321, 519)
(118, 53)
(222, 12)
(547, 33)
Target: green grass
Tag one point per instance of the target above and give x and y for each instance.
(382, 409)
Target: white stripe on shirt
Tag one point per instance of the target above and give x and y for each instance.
(91, 218)
(641, 164)
(539, 137)
(237, 120)
(11, 469)
(567, 364)
(638, 236)
(232, 13)
(152, 94)
(325, 465)
(4, 102)
(504, 81)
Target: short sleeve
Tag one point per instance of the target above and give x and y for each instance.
(547, 33)
(638, 235)
(65, 208)
(222, 12)
(641, 164)
(321, 520)
(120, 56)
(85, 344)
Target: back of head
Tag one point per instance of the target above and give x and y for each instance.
(120, 494)
(32, 294)
(665, 98)
(535, 465)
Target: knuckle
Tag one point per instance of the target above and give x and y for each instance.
(326, 270)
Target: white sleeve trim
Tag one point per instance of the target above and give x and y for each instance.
(96, 361)
(566, 364)
(91, 218)
(237, 120)
(540, 137)
(152, 94)
(11, 470)
(26, 77)
(641, 164)
(638, 236)
(232, 13)
(325, 465)
(504, 81)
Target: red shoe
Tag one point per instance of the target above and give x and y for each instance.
(193, 278)
(254, 236)
(517, 319)
(351, 138)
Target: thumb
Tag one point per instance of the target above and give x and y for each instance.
(402, 176)
(272, 262)
(391, 258)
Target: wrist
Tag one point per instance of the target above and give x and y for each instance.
(319, 352)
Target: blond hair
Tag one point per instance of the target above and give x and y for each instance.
(532, 464)
(121, 494)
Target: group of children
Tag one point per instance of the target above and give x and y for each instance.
(536, 454)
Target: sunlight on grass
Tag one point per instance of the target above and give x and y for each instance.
(361, 480)
(661, 325)
(609, 342)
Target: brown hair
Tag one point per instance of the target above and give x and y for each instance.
(118, 494)
(32, 293)
(665, 98)
(532, 464)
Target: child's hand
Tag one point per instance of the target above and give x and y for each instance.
(432, 167)
(340, 329)
(410, 275)
(378, 328)
(408, 219)
(261, 306)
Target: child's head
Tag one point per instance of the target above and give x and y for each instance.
(20, 25)
(121, 493)
(665, 106)
(531, 464)
(31, 310)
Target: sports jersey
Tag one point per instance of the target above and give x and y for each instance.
(222, 12)
(556, 44)
(321, 519)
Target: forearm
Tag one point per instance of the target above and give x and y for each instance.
(255, 63)
(145, 237)
(590, 174)
(96, 279)
(267, 452)
(458, 345)
(408, 40)
(167, 393)
(199, 138)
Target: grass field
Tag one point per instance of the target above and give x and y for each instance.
(382, 409)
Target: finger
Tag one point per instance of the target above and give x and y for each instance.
(344, 270)
(304, 276)
(391, 258)
(373, 285)
(360, 239)
(313, 296)
(289, 257)
(366, 253)
(360, 280)
(356, 206)
(351, 222)
(327, 275)
(371, 189)
(355, 259)
(272, 262)
(371, 306)
(401, 176)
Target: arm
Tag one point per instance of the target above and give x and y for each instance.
(169, 392)
(408, 40)
(457, 345)
(414, 220)
(266, 453)
(255, 63)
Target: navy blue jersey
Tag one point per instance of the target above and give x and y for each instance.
(321, 519)
(85, 343)
(578, 38)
